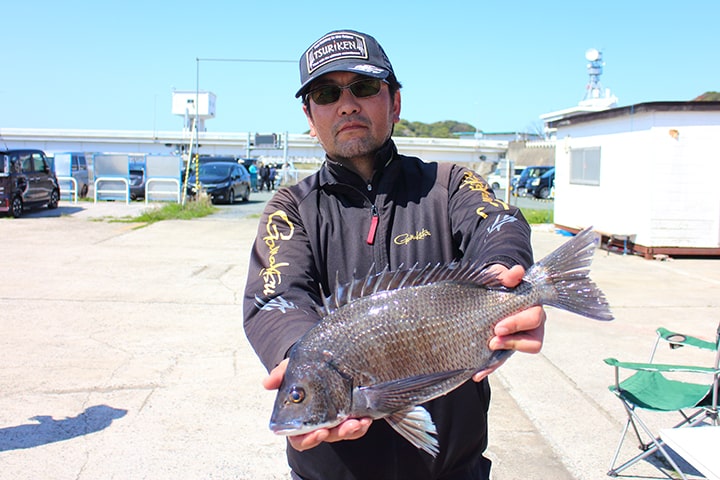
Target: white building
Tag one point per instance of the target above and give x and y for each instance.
(647, 173)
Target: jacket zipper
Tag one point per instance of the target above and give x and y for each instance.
(373, 226)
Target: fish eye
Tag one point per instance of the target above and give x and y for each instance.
(296, 395)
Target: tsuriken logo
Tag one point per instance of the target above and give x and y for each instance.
(335, 46)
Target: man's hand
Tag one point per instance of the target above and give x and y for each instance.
(523, 331)
(350, 429)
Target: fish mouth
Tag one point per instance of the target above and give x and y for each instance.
(297, 428)
(282, 430)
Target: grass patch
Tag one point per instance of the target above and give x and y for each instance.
(175, 211)
(536, 215)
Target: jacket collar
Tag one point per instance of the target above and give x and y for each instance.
(332, 172)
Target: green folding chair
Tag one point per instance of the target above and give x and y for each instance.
(650, 388)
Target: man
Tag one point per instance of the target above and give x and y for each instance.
(369, 207)
(272, 173)
(263, 173)
(253, 171)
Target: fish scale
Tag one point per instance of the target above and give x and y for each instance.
(392, 341)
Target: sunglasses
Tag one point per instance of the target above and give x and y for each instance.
(327, 94)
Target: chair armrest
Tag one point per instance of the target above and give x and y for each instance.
(676, 338)
(659, 367)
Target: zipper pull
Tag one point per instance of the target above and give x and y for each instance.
(373, 226)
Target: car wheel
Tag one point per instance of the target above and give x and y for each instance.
(84, 191)
(495, 186)
(54, 199)
(17, 207)
(246, 197)
(544, 192)
(231, 196)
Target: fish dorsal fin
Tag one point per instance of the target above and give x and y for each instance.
(372, 283)
(417, 427)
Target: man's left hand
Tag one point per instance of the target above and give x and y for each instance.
(523, 331)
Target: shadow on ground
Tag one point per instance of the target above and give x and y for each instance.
(48, 430)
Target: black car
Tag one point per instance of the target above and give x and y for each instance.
(223, 181)
(26, 181)
(519, 186)
(540, 187)
(136, 174)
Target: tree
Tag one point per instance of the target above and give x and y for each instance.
(708, 97)
(444, 129)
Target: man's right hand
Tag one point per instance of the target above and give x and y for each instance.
(350, 429)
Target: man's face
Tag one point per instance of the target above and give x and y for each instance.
(352, 127)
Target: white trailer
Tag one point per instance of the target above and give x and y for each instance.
(645, 176)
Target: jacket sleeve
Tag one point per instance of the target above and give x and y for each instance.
(485, 228)
(282, 288)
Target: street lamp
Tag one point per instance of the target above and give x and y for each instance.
(197, 102)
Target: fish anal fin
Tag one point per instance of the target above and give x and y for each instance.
(417, 427)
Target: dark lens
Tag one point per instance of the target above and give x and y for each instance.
(326, 95)
(365, 88)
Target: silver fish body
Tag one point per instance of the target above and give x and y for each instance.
(395, 340)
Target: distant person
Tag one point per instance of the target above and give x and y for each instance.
(271, 177)
(345, 220)
(253, 171)
(264, 173)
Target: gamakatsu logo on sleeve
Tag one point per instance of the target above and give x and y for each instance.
(279, 227)
(335, 46)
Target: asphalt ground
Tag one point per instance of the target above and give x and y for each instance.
(122, 354)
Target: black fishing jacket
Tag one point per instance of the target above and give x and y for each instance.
(334, 226)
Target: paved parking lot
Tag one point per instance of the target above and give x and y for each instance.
(122, 354)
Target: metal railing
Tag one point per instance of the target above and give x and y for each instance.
(73, 189)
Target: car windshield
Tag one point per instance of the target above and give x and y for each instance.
(535, 172)
(214, 170)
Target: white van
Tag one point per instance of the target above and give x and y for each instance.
(498, 179)
(78, 171)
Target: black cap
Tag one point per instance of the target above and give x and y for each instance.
(343, 51)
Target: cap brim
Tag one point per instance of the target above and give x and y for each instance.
(359, 68)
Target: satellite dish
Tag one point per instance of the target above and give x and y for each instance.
(592, 54)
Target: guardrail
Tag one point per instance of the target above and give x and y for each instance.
(74, 189)
(172, 181)
(103, 191)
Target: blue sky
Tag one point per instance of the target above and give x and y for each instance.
(496, 65)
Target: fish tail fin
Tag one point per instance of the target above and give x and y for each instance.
(564, 281)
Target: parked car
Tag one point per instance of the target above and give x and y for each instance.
(223, 181)
(218, 158)
(78, 170)
(519, 187)
(26, 181)
(498, 179)
(540, 187)
(136, 178)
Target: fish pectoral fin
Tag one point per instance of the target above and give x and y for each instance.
(417, 427)
(396, 395)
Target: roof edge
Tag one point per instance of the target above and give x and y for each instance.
(692, 106)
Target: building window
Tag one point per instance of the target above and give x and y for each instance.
(585, 166)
